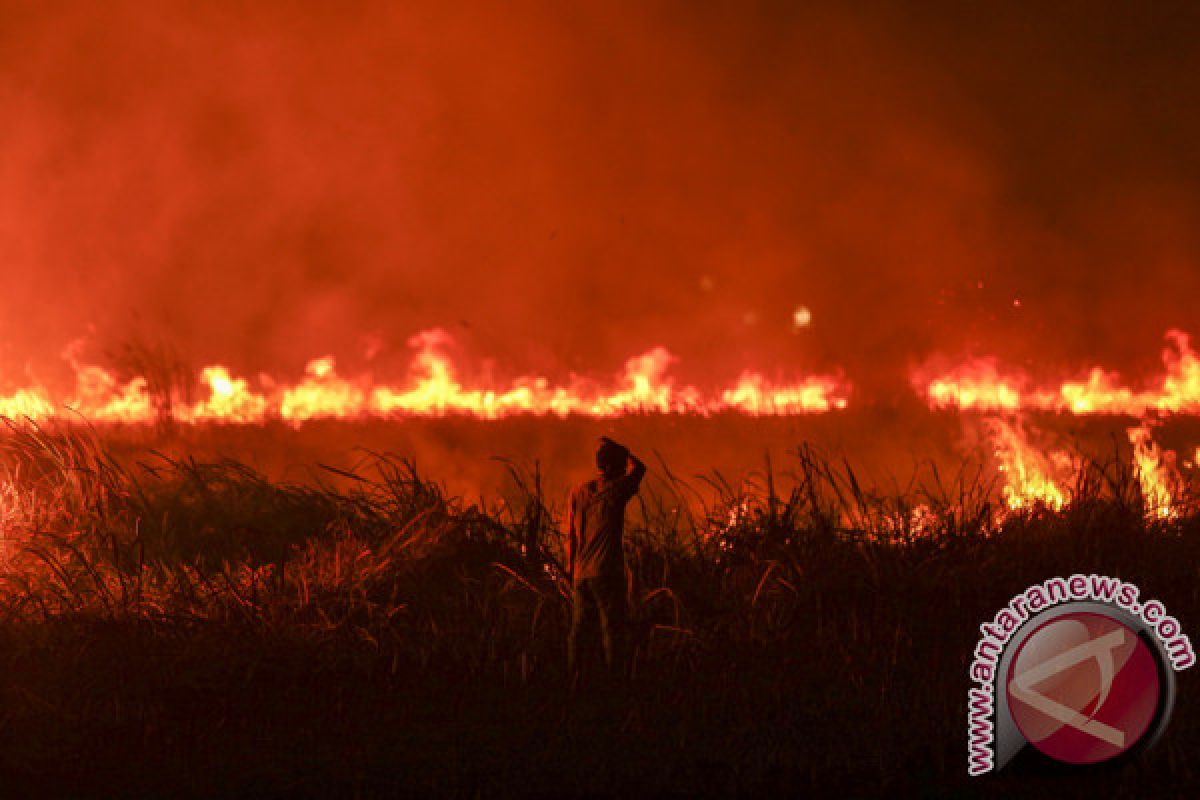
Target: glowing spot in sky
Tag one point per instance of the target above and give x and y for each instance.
(801, 318)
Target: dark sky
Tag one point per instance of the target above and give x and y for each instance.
(562, 185)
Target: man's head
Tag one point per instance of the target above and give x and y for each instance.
(611, 458)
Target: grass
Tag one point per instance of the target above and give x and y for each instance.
(175, 628)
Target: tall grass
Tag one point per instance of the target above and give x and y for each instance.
(193, 628)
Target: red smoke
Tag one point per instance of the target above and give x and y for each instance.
(564, 185)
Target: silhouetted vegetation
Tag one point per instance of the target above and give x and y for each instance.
(174, 628)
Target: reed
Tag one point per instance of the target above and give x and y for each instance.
(169, 626)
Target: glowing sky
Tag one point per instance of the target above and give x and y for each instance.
(562, 185)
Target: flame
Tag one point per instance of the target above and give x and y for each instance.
(1035, 478)
(644, 386)
(1156, 473)
(980, 385)
(230, 400)
(434, 389)
(321, 395)
(918, 522)
(27, 403)
(975, 386)
(102, 398)
(752, 395)
(1031, 477)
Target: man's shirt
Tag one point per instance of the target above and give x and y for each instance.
(597, 514)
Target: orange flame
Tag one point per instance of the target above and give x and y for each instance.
(975, 386)
(979, 385)
(27, 403)
(1031, 477)
(644, 386)
(230, 400)
(1156, 472)
(102, 398)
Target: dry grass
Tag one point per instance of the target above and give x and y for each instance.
(183, 628)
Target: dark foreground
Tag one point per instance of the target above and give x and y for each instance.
(183, 629)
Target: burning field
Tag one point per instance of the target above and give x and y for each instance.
(340, 585)
(311, 315)
(1032, 441)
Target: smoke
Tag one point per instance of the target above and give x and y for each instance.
(564, 185)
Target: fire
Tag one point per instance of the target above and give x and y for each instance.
(1101, 393)
(917, 522)
(433, 389)
(102, 398)
(1031, 477)
(1039, 478)
(1156, 472)
(230, 400)
(980, 385)
(1181, 386)
(322, 394)
(27, 403)
(975, 386)
(753, 396)
(646, 387)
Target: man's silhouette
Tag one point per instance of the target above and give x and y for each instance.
(595, 560)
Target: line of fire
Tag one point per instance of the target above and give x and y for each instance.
(1033, 477)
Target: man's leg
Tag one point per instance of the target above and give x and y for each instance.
(611, 605)
(579, 619)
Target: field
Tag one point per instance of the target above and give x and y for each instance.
(213, 612)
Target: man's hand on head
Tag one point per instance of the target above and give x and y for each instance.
(604, 440)
(616, 455)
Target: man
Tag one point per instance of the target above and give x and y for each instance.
(595, 559)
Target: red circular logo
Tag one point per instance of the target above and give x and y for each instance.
(1083, 688)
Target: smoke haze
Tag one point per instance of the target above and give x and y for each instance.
(561, 186)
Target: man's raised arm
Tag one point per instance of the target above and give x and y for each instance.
(636, 469)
